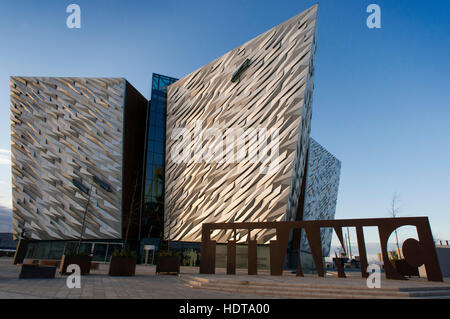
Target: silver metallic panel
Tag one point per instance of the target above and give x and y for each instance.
(322, 184)
(273, 91)
(65, 129)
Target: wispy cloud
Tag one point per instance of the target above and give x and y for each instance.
(5, 202)
(5, 219)
(5, 194)
(5, 156)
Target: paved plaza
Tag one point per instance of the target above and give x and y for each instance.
(191, 285)
(99, 285)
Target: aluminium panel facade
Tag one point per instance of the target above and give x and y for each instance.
(69, 156)
(322, 184)
(265, 83)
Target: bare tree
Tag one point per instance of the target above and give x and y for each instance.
(394, 213)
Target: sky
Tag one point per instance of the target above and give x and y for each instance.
(381, 101)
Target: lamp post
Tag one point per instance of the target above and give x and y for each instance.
(78, 184)
(84, 219)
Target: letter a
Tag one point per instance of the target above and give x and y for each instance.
(374, 279)
(74, 19)
(74, 280)
(374, 20)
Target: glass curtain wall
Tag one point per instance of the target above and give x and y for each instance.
(152, 214)
(53, 250)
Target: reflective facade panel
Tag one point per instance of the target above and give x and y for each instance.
(322, 184)
(266, 83)
(70, 157)
(229, 142)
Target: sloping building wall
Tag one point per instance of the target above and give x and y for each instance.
(322, 184)
(67, 154)
(265, 83)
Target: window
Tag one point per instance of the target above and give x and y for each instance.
(236, 76)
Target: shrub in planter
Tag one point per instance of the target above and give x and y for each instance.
(83, 260)
(167, 262)
(123, 263)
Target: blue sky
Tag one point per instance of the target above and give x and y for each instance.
(381, 100)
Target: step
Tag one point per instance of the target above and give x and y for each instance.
(436, 297)
(324, 290)
(277, 290)
(300, 294)
(285, 285)
(430, 293)
(300, 290)
(427, 288)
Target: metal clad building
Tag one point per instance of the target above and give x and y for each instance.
(265, 83)
(69, 154)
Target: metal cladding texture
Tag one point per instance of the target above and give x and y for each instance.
(322, 183)
(274, 90)
(66, 129)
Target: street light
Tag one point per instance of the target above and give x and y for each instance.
(88, 192)
(85, 190)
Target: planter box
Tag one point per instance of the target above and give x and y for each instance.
(31, 262)
(95, 266)
(404, 269)
(49, 263)
(84, 262)
(168, 264)
(122, 266)
(35, 271)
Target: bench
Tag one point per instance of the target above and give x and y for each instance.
(36, 271)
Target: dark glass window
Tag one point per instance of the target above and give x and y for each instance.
(152, 215)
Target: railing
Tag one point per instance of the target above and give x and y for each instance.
(443, 243)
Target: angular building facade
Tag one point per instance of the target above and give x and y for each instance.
(266, 83)
(322, 184)
(76, 156)
(230, 142)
